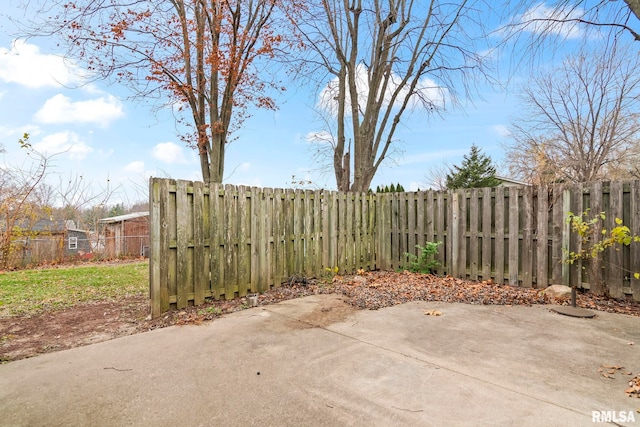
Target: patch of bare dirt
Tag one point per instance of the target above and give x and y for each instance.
(22, 337)
(26, 336)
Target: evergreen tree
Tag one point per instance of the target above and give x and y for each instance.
(390, 189)
(476, 171)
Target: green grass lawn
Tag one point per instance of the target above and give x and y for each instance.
(29, 292)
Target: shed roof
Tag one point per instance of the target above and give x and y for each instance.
(504, 179)
(121, 218)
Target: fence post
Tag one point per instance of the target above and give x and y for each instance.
(154, 256)
(454, 232)
(566, 236)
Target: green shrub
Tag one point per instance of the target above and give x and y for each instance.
(425, 262)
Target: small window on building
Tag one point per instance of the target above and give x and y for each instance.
(73, 243)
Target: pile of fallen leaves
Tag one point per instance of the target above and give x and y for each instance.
(383, 289)
(634, 387)
(374, 290)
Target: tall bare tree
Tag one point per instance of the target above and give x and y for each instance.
(384, 58)
(580, 121)
(200, 56)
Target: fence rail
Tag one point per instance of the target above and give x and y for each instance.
(225, 241)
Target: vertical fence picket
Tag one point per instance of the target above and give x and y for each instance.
(201, 269)
(514, 236)
(423, 218)
(526, 255)
(270, 240)
(499, 235)
(474, 225)
(557, 225)
(395, 230)
(542, 238)
(453, 237)
(566, 236)
(278, 237)
(332, 211)
(341, 218)
(317, 232)
(576, 244)
(634, 249)
(380, 231)
(402, 229)
(596, 206)
(231, 242)
(182, 243)
(307, 232)
(298, 231)
(215, 225)
(263, 243)
(348, 232)
(355, 231)
(440, 227)
(615, 270)
(156, 285)
(363, 258)
(411, 225)
(244, 218)
(289, 249)
(251, 254)
(430, 217)
(325, 207)
(486, 233)
(463, 233)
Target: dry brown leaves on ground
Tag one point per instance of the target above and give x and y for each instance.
(608, 371)
(634, 387)
(380, 289)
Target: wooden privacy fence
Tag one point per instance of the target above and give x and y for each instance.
(225, 241)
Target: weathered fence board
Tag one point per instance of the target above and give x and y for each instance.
(224, 241)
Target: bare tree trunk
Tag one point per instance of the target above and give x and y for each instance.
(380, 57)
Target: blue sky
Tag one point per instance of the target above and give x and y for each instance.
(105, 138)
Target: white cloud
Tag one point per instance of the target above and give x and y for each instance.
(244, 167)
(427, 91)
(61, 109)
(501, 130)
(135, 167)
(63, 142)
(17, 132)
(541, 18)
(25, 65)
(169, 152)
